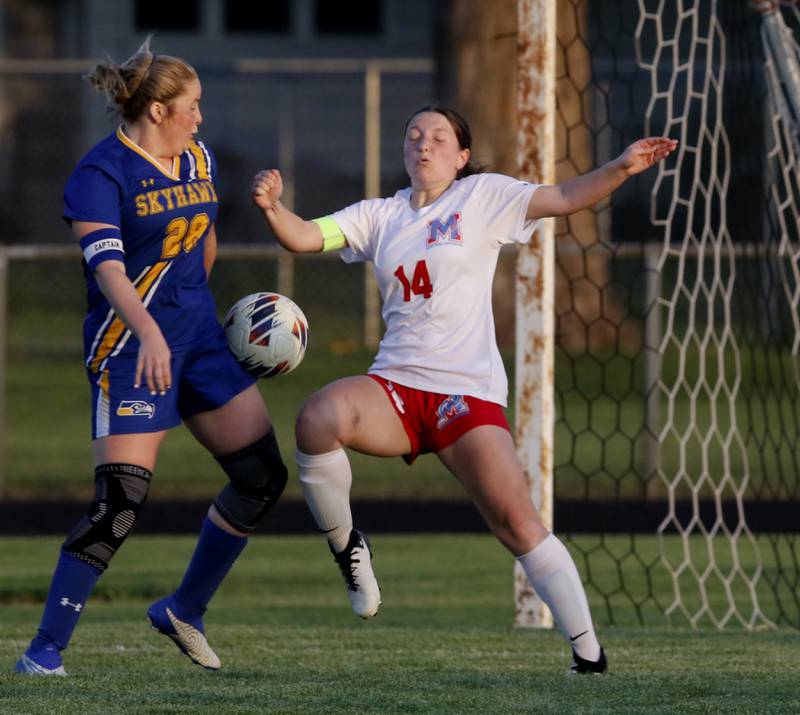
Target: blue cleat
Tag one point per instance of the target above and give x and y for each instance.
(189, 637)
(46, 661)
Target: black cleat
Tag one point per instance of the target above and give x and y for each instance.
(593, 667)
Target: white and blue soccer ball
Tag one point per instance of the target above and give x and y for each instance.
(267, 334)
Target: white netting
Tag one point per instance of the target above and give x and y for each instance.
(676, 454)
(783, 80)
(698, 328)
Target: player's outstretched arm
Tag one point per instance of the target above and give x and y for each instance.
(586, 190)
(293, 233)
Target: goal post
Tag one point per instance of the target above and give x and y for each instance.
(535, 282)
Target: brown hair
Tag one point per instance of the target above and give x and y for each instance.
(461, 130)
(143, 78)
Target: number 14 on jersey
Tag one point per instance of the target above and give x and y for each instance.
(420, 283)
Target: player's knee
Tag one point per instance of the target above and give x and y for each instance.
(517, 531)
(120, 491)
(318, 420)
(257, 477)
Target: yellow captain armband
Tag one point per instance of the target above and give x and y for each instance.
(332, 237)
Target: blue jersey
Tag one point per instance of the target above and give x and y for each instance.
(164, 218)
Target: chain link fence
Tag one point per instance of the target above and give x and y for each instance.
(334, 129)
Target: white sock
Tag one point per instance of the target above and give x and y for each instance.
(326, 479)
(552, 572)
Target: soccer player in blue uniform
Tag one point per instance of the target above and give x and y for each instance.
(143, 205)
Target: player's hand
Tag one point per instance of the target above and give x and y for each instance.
(267, 189)
(153, 363)
(644, 153)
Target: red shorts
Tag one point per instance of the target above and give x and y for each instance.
(434, 421)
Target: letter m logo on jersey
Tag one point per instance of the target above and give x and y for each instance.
(449, 409)
(445, 233)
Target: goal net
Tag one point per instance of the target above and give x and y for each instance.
(677, 409)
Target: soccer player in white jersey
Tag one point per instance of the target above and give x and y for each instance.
(438, 383)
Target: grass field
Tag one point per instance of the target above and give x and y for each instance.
(48, 440)
(599, 442)
(442, 643)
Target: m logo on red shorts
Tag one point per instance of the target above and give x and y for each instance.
(451, 408)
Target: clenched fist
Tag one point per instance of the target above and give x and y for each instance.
(267, 189)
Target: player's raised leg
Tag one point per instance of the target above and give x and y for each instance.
(352, 412)
(241, 437)
(122, 480)
(485, 461)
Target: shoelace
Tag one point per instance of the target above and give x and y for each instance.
(347, 561)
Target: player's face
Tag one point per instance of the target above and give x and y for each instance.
(183, 118)
(431, 152)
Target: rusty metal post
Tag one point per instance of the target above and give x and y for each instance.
(535, 328)
(653, 332)
(287, 154)
(372, 190)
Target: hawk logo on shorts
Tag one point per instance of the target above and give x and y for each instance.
(451, 408)
(444, 233)
(136, 408)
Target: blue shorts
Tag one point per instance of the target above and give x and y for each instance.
(204, 377)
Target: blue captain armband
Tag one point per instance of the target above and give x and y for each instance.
(332, 237)
(104, 244)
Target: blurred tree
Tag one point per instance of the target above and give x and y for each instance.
(478, 71)
(478, 74)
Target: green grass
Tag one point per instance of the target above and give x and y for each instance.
(48, 447)
(442, 643)
(601, 448)
(48, 411)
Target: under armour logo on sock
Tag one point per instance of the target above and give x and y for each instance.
(66, 602)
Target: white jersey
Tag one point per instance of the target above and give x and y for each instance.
(435, 266)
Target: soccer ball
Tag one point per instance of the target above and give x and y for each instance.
(267, 334)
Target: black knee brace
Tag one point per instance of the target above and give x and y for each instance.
(257, 478)
(120, 491)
